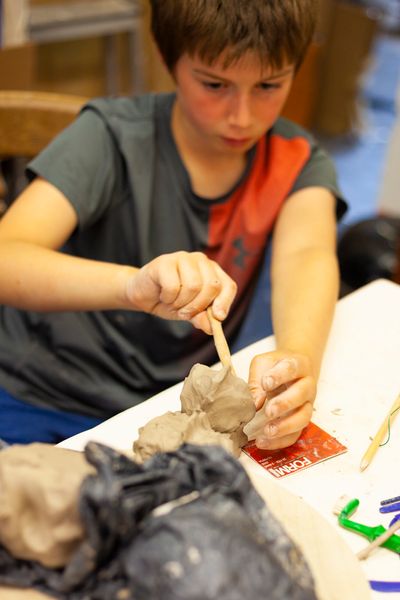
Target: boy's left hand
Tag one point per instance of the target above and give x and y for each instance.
(283, 384)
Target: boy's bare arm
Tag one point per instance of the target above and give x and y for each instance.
(35, 276)
(305, 281)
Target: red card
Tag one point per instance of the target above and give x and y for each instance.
(313, 446)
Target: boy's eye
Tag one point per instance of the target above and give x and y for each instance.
(213, 85)
(265, 85)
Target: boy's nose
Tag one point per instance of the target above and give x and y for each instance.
(240, 111)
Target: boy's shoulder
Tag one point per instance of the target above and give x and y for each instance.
(129, 110)
(289, 129)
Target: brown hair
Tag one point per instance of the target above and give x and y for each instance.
(276, 30)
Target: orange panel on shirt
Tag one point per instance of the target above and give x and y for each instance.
(239, 228)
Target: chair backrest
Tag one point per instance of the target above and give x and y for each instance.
(30, 120)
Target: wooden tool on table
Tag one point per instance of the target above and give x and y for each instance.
(220, 342)
(378, 541)
(381, 433)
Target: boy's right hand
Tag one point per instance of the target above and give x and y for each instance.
(180, 286)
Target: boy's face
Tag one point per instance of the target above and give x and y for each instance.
(227, 110)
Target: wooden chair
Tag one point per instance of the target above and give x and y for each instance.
(28, 122)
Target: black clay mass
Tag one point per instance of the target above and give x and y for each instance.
(186, 525)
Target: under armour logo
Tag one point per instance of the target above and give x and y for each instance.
(243, 254)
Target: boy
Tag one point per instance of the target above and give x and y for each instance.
(165, 204)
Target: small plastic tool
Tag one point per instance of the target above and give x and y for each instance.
(371, 533)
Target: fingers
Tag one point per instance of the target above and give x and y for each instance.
(201, 321)
(276, 432)
(260, 365)
(221, 304)
(203, 283)
(284, 371)
(290, 397)
(278, 443)
(223, 301)
(284, 385)
(271, 373)
(182, 285)
(200, 284)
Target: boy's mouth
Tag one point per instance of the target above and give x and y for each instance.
(236, 142)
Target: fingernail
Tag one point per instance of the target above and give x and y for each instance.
(220, 313)
(259, 401)
(272, 430)
(271, 411)
(268, 382)
(262, 442)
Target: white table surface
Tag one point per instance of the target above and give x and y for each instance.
(360, 378)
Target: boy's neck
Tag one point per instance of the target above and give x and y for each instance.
(212, 172)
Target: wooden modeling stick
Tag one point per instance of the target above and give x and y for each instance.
(220, 342)
(381, 433)
(378, 541)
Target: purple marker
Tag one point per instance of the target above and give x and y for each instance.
(385, 586)
(394, 520)
(390, 508)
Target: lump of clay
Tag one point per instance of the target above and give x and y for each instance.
(172, 429)
(39, 489)
(162, 434)
(223, 396)
(215, 407)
